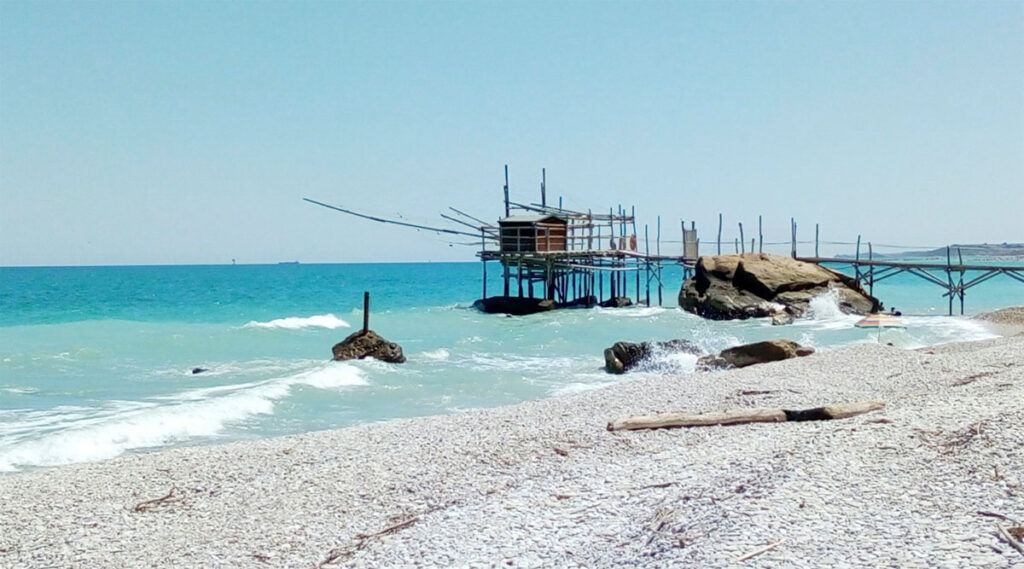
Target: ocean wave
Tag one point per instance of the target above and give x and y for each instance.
(438, 355)
(637, 311)
(329, 321)
(121, 426)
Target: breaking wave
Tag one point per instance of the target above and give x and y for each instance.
(329, 321)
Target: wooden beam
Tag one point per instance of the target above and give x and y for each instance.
(738, 416)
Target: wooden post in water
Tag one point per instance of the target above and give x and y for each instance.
(658, 251)
(483, 245)
(743, 241)
(647, 250)
(871, 272)
(961, 286)
(366, 311)
(949, 278)
(856, 266)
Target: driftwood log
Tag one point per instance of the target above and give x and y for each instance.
(662, 420)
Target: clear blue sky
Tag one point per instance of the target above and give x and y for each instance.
(188, 132)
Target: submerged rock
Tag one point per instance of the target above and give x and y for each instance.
(362, 344)
(617, 302)
(755, 285)
(756, 353)
(623, 356)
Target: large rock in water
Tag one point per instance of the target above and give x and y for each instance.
(754, 285)
(756, 353)
(623, 356)
(368, 344)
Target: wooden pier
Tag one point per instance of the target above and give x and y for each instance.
(565, 257)
(949, 275)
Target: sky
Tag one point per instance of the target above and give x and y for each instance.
(189, 132)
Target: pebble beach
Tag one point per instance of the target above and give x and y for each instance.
(929, 481)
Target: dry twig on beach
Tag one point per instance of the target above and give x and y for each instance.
(759, 551)
(364, 539)
(150, 505)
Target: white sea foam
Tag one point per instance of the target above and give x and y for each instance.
(638, 311)
(438, 355)
(329, 321)
(81, 435)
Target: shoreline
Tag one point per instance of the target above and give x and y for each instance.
(543, 484)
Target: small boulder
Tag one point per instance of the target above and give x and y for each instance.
(362, 344)
(781, 318)
(756, 353)
(623, 356)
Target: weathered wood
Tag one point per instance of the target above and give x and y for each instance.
(737, 416)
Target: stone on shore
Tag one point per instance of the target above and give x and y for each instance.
(755, 353)
(368, 344)
(756, 285)
(623, 356)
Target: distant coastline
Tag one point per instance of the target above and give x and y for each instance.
(1000, 250)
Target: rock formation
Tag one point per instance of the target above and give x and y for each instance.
(756, 353)
(623, 356)
(755, 285)
(362, 344)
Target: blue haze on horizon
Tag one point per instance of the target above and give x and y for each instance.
(189, 132)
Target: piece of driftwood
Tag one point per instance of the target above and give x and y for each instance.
(662, 420)
(1010, 539)
(759, 551)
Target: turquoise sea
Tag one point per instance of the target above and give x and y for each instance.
(97, 361)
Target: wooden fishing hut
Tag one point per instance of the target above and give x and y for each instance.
(576, 258)
(565, 257)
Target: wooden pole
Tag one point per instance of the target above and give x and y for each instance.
(633, 215)
(961, 286)
(856, 265)
(647, 250)
(871, 273)
(816, 240)
(543, 188)
(949, 278)
(760, 237)
(719, 234)
(366, 311)
(793, 222)
(743, 241)
(506, 190)
(483, 262)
